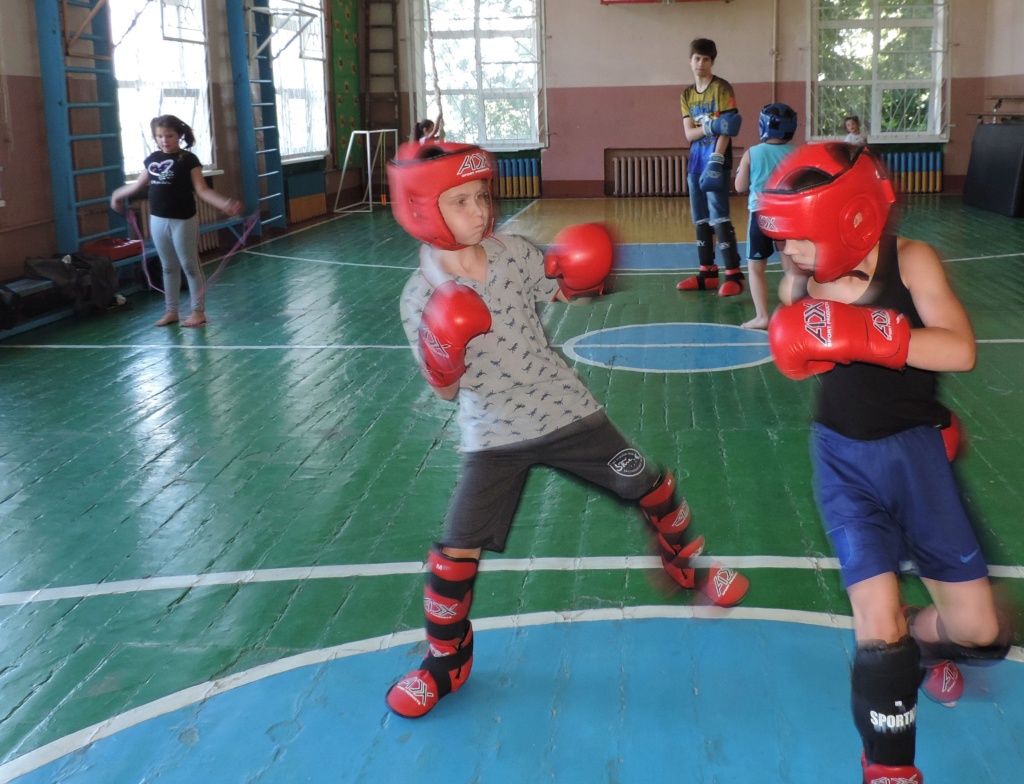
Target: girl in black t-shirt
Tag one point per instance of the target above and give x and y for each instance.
(174, 176)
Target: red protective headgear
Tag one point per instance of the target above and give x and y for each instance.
(836, 195)
(420, 173)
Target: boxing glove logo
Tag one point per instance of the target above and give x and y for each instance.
(437, 348)
(818, 321)
(882, 321)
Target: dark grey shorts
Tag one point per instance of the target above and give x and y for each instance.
(491, 480)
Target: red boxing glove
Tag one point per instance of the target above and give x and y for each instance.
(813, 335)
(454, 315)
(954, 438)
(580, 258)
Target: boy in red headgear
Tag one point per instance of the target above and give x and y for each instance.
(874, 318)
(470, 313)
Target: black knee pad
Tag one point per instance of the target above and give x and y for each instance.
(974, 657)
(885, 682)
(705, 244)
(726, 236)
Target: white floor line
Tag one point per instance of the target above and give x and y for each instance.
(346, 571)
(333, 263)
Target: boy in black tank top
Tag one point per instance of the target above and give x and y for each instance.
(873, 317)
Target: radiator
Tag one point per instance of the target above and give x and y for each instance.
(518, 178)
(649, 175)
(915, 172)
(209, 240)
(302, 208)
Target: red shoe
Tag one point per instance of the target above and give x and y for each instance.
(440, 674)
(733, 285)
(890, 774)
(943, 683)
(705, 280)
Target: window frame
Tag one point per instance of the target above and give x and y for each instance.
(297, 40)
(133, 168)
(938, 122)
(422, 96)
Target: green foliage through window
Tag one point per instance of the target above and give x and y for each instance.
(481, 66)
(884, 61)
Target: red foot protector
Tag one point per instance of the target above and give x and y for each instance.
(705, 280)
(890, 774)
(725, 587)
(440, 674)
(944, 683)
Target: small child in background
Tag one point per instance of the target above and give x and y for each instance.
(173, 177)
(428, 130)
(776, 126)
(854, 135)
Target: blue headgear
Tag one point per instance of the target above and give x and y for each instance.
(777, 121)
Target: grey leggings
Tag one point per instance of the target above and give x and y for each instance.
(177, 245)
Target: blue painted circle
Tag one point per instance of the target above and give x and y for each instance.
(654, 699)
(679, 347)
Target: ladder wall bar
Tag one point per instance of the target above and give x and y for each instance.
(243, 101)
(263, 32)
(110, 123)
(55, 106)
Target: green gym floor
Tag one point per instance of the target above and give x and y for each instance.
(188, 516)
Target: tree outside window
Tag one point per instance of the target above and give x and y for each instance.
(884, 61)
(482, 66)
(300, 77)
(161, 68)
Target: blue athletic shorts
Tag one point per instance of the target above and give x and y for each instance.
(892, 500)
(759, 246)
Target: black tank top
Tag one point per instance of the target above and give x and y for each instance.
(866, 401)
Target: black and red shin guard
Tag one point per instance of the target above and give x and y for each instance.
(884, 687)
(447, 597)
(670, 518)
(707, 278)
(733, 283)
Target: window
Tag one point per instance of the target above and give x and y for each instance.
(484, 60)
(300, 77)
(884, 61)
(161, 68)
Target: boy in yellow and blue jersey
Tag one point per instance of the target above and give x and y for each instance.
(710, 120)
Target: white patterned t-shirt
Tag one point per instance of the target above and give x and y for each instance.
(516, 386)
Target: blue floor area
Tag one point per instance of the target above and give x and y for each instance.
(668, 256)
(671, 348)
(656, 699)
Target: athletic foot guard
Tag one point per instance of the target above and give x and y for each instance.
(725, 587)
(705, 280)
(669, 515)
(732, 286)
(943, 683)
(440, 674)
(890, 774)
